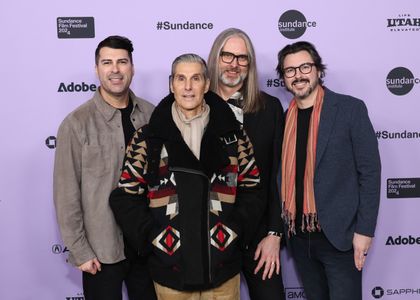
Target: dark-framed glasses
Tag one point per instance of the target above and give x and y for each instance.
(304, 68)
(228, 58)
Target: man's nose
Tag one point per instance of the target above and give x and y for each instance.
(115, 68)
(234, 62)
(188, 84)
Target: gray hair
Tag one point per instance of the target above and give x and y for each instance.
(250, 89)
(190, 58)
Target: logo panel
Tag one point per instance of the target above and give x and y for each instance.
(403, 23)
(377, 292)
(51, 142)
(400, 81)
(293, 24)
(75, 27)
(403, 187)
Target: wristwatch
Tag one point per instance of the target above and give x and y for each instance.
(275, 233)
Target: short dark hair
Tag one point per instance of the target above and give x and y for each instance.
(297, 47)
(115, 42)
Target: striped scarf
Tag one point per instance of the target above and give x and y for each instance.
(288, 168)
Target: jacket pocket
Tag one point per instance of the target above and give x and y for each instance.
(96, 159)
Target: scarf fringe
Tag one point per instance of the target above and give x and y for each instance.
(310, 222)
(289, 219)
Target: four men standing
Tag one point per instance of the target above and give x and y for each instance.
(198, 185)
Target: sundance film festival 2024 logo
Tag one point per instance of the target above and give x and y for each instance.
(75, 27)
(400, 81)
(403, 188)
(403, 22)
(293, 24)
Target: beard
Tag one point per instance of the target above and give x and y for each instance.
(303, 94)
(232, 82)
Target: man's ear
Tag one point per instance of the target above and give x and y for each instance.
(171, 85)
(207, 85)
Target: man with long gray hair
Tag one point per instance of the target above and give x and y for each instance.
(233, 76)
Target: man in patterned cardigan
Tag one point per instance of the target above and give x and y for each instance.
(189, 189)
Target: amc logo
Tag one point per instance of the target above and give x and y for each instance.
(295, 293)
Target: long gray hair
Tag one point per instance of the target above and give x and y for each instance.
(250, 88)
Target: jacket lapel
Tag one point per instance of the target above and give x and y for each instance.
(213, 154)
(253, 119)
(326, 124)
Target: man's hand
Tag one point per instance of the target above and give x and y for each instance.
(268, 251)
(361, 245)
(91, 266)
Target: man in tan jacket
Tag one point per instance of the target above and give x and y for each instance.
(91, 144)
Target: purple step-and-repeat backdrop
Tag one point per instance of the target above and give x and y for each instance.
(371, 49)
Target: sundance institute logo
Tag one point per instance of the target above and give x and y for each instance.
(377, 292)
(292, 24)
(400, 81)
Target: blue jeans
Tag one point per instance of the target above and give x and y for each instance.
(326, 273)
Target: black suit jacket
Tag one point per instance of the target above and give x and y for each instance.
(265, 130)
(347, 170)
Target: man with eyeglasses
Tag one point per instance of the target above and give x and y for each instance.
(233, 76)
(330, 179)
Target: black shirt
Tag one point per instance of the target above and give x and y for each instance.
(303, 120)
(128, 127)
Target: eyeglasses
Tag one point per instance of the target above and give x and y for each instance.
(304, 68)
(228, 58)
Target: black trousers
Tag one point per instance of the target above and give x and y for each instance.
(326, 272)
(268, 289)
(107, 284)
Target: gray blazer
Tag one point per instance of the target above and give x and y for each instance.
(347, 170)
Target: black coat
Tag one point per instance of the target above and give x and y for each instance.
(265, 130)
(195, 213)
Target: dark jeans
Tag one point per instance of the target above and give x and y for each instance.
(326, 273)
(107, 284)
(268, 289)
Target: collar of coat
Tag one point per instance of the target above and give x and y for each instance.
(221, 122)
(161, 130)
